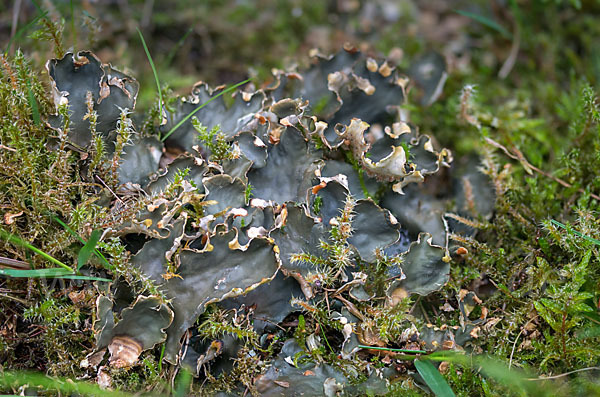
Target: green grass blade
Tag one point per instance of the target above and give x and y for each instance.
(434, 379)
(575, 232)
(35, 111)
(98, 254)
(88, 15)
(182, 383)
(88, 248)
(16, 240)
(160, 97)
(34, 273)
(37, 6)
(177, 46)
(518, 380)
(514, 379)
(91, 278)
(186, 118)
(490, 23)
(57, 272)
(24, 29)
(73, 30)
(162, 355)
(16, 379)
(392, 350)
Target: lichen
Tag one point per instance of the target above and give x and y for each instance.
(285, 228)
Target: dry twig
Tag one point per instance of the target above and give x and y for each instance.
(517, 155)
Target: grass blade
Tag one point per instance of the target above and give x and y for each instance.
(24, 29)
(518, 380)
(56, 272)
(160, 97)
(35, 111)
(98, 254)
(91, 278)
(177, 46)
(73, 30)
(16, 240)
(182, 383)
(34, 273)
(16, 379)
(88, 248)
(575, 232)
(186, 118)
(37, 6)
(490, 23)
(392, 350)
(514, 379)
(434, 379)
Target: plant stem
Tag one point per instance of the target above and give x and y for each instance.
(562, 336)
(160, 96)
(16, 240)
(392, 350)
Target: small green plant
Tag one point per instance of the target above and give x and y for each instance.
(248, 192)
(317, 204)
(177, 184)
(120, 259)
(217, 324)
(300, 331)
(361, 174)
(391, 321)
(214, 140)
(51, 31)
(90, 244)
(564, 309)
(125, 132)
(339, 252)
(35, 112)
(52, 313)
(97, 148)
(220, 322)
(339, 249)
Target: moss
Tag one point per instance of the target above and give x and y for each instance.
(467, 382)
(34, 184)
(214, 140)
(219, 322)
(541, 277)
(538, 270)
(60, 320)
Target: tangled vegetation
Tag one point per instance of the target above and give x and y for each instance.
(423, 222)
